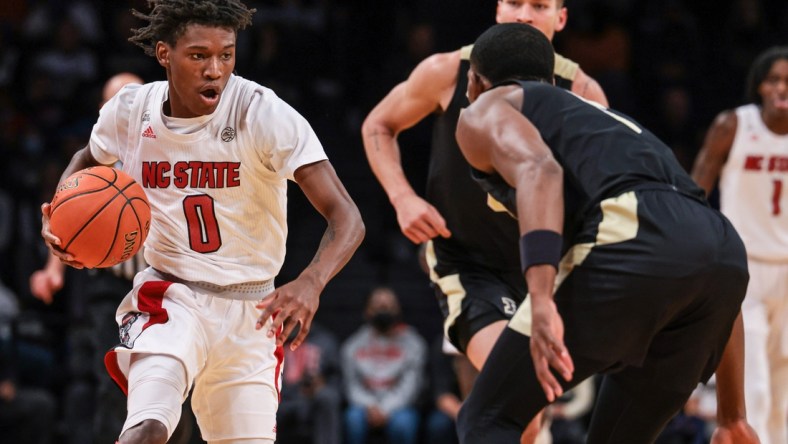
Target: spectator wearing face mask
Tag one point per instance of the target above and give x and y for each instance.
(383, 373)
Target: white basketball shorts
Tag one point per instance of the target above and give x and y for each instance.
(235, 369)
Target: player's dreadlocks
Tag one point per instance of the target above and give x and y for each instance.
(168, 19)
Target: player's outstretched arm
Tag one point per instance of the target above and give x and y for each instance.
(732, 426)
(297, 301)
(714, 152)
(82, 159)
(428, 89)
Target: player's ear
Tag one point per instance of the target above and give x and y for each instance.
(162, 54)
(475, 85)
(560, 19)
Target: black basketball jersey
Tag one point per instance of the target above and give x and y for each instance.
(602, 152)
(483, 232)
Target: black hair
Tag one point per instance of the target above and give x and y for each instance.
(760, 69)
(513, 51)
(168, 19)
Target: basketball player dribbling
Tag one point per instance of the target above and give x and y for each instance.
(194, 316)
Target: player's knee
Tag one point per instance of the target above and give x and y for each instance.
(148, 431)
(157, 387)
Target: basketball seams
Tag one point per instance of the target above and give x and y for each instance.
(118, 223)
(96, 214)
(126, 206)
(97, 227)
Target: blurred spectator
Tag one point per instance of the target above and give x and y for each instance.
(311, 402)
(67, 62)
(685, 428)
(383, 370)
(27, 413)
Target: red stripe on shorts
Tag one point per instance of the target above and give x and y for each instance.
(111, 363)
(149, 300)
(279, 354)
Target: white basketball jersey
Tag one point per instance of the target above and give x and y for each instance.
(218, 193)
(753, 187)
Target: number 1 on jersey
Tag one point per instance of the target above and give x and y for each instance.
(776, 195)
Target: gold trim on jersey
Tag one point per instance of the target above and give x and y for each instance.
(497, 206)
(619, 224)
(565, 68)
(465, 52)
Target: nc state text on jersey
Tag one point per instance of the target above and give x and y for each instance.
(192, 174)
(775, 163)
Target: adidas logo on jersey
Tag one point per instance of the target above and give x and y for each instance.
(149, 133)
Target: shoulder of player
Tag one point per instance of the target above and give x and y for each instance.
(483, 113)
(441, 61)
(252, 95)
(437, 71)
(506, 95)
(722, 132)
(716, 147)
(725, 124)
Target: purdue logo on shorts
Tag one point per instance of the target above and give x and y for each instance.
(509, 306)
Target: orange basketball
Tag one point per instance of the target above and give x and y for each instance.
(101, 216)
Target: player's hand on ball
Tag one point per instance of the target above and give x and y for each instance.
(52, 241)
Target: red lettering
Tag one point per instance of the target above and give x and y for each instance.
(207, 176)
(148, 174)
(778, 163)
(233, 175)
(221, 168)
(181, 174)
(753, 163)
(194, 166)
(193, 174)
(162, 179)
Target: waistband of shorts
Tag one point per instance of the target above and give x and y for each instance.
(246, 291)
(658, 186)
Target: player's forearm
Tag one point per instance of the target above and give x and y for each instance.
(730, 377)
(343, 235)
(541, 211)
(383, 155)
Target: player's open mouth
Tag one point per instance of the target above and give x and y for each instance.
(210, 96)
(781, 103)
